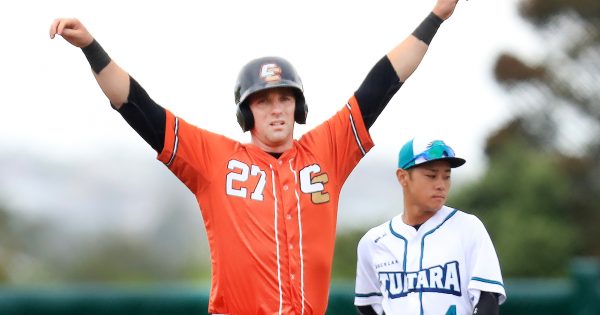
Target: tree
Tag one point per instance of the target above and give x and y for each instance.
(344, 260)
(523, 200)
(568, 78)
(537, 197)
(4, 247)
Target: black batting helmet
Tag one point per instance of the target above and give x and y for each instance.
(267, 73)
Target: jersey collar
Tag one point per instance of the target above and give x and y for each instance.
(398, 226)
(268, 158)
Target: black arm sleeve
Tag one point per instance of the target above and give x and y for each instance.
(377, 90)
(488, 304)
(366, 310)
(145, 116)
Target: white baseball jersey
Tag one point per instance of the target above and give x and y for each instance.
(439, 269)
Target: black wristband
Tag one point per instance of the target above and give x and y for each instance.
(427, 29)
(96, 56)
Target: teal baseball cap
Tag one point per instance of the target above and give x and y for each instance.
(418, 151)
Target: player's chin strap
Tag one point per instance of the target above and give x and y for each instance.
(487, 305)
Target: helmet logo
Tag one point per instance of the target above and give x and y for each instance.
(270, 72)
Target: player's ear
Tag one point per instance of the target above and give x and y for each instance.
(402, 176)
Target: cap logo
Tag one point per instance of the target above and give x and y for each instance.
(270, 72)
(436, 143)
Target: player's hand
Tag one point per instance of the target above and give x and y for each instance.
(444, 8)
(72, 31)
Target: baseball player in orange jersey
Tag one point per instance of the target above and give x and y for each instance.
(269, 206)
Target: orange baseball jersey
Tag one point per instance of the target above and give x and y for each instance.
(270, 222)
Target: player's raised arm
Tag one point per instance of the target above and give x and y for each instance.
(144, 115)
(407, 56)
(388, 75)
(113, 80)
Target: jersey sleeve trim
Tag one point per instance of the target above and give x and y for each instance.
(366, 295)
(176, 142)
(368, 300)
(361, 134)
(489, 286)
(167, 156)
(356, 137)
(488, 281)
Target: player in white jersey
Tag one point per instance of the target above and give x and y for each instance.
(430, 259)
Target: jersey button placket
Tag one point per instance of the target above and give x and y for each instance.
(290, 204)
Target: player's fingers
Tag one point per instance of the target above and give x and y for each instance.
(53, 27)
(61, 26)
(67, 24)
(69, 33)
